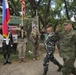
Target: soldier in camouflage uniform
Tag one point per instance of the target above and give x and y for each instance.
(49, 45)
(21, 47)
(68, 48)
(35, 36)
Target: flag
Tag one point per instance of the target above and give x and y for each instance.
(22, 8)
(5, 17)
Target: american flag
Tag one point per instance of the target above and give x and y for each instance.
(23, 9)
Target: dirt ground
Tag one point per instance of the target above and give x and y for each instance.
(30, 67)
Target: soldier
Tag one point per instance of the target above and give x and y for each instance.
(35, 36)
(7, 43)
(21, 47)
(49, 45)
(68, 48)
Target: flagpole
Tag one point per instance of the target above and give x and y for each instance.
(23, 14)
(22, 27)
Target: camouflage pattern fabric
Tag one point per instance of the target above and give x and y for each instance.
(67, 44)
(68, 51)
(49, 45)
(35, 42)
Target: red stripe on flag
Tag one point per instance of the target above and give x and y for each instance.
(7, 15)
(5, 28)
(23, 7)
(6, 18)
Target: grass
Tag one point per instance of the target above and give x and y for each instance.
(28, 55)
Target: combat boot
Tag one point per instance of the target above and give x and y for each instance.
(8, 61)
(45, 72)
(59, 69)
(5, 62)
(74, 73)
(57, 63)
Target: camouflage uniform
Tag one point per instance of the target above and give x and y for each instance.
(21, 47)
(68, 51)
(35, 41)
(49, 45)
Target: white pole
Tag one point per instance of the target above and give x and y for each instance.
(22, 28)
(37, 18)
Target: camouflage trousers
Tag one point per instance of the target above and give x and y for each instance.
(21, 50)
(35, 50)
(50, 57)
(68, 66)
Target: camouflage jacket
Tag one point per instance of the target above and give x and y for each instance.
(50, 41)
(67, 44)
(34, 37)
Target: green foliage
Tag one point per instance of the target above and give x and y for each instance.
(15, 7)
(47, 14)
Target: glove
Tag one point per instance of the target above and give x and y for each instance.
(11, 45)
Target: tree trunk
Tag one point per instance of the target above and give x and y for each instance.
(66, 10)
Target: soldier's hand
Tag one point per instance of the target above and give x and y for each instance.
(26, 43)
(11, 45)
(35, 42)
(58, 28)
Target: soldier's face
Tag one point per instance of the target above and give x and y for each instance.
(65, 27)
(35, 29)
(68, 27)
(49, 29)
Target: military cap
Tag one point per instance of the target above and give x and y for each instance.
(67, 22)
(49, 25)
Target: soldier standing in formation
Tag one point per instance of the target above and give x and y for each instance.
(21, 47)
(35, 36)
(68, 48)
(49, 45)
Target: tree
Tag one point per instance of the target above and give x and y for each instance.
(15, 7)
(49, 11)
(44, 18)
(66, 7)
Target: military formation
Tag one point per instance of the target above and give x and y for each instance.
(65, 40)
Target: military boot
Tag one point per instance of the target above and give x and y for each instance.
(74, 72)
(8, 61)
(58, 64)
(5, 62)
(45, 72)
(59, 69)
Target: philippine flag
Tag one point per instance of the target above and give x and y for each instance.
(5, 17)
